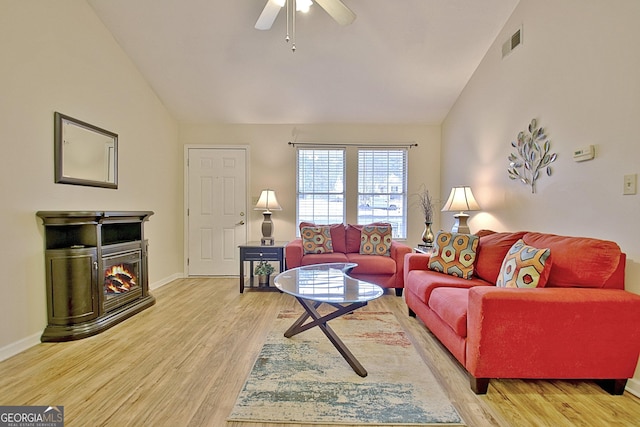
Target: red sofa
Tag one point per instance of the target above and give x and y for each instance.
(581, 325)
(385, 271)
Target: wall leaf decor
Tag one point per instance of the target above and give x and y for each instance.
(532, 155)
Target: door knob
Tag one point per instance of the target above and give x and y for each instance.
(240, 223)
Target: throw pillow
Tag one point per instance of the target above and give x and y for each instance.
(376, 240)
(524, 267)
(316, 240)
(337, 234)
(353, 236)
(454, 254)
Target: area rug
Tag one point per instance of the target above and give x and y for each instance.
(305, 380)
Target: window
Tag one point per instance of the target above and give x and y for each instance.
(321, 185)
(382, 188)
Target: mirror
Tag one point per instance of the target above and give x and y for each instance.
(84, 154)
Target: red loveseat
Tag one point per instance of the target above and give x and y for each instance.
(385, 271)
(581, 325)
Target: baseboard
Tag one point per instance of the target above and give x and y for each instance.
(19, 346)
(165, 281)
(633, 387)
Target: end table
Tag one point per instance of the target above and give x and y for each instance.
(423, 249)
(255, 251)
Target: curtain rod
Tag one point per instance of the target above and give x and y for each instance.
(354, 144)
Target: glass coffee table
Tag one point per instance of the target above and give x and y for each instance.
(314, 285)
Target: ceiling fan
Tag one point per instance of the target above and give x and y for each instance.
(335, 8)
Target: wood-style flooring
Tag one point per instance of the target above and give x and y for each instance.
(183, 361)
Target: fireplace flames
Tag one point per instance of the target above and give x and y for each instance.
(118, 279)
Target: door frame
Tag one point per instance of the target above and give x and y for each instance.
(185, 198)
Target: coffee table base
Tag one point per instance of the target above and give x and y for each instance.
(311, 310)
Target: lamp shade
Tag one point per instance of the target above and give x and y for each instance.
(461, 199)
(268, 201)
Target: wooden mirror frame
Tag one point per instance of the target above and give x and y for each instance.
(102, 171)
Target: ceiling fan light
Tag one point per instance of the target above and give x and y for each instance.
(303, 5)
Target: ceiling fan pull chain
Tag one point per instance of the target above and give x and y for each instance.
(287, 5)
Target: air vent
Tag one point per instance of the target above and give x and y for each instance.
(514, 41)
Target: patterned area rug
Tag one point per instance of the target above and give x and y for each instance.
(305, 380)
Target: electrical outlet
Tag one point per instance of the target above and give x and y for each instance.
(630, 184)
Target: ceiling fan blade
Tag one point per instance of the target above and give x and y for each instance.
(268, 15)
(338, 11)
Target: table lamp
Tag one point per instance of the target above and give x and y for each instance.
(461, 199)
(267, 202)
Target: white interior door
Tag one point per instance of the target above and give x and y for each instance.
(216, 210)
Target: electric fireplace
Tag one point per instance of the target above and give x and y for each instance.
(96, 266)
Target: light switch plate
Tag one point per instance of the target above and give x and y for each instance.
(630, 184)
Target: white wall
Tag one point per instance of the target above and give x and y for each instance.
(273, 162)
(577, 72)
(57, 56)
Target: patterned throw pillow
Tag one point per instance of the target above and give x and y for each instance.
(454, 254)
(524, 267)
(376, 240)
(337, 231)
(316, 240)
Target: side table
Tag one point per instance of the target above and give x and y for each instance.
(255, 251)
(421, 249)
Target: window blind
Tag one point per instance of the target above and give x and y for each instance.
(382, 178)
(320, 187)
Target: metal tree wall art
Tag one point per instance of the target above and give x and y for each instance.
(532, 156)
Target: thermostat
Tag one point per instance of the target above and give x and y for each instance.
(584, 153)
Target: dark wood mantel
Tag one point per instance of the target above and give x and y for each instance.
(79, 217)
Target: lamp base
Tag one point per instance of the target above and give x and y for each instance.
(460, 226)
(267, 241)
(267, 230)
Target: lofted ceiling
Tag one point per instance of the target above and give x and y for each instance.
(400, 61)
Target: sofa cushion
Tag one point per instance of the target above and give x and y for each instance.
(352, 237)
(525, 267)
(450, 304)
(422, 282)
(375, 240)
(492, 248)
(454, 254)
(577, 261)
(338, 239)
(312, 259)
(372, 264)
(484, 232)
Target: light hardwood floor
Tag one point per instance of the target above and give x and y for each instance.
(183, 361)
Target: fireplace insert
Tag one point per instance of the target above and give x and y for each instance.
(121, 279)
